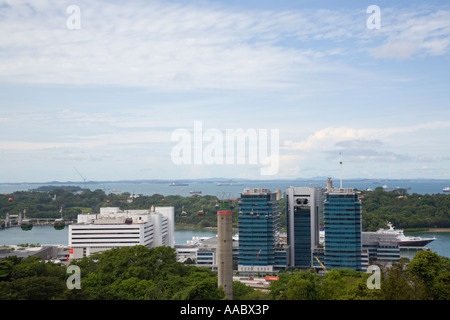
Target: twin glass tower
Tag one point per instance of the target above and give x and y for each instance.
(307, 208)
(339, 209)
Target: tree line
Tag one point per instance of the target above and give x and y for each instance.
(378, 206)
(140, 273)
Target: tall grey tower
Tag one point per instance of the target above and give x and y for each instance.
(225, 247)
(304, 206)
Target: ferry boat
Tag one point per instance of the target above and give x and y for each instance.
(406, 241)
(446, 190)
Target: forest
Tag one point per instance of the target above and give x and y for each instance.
(406, 211)
(140, 273)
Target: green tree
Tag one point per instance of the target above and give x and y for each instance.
(441, 287)
(32, 288)
(303, 285)
(138, 272)
(426, 266)
(240, 290)
(5, 269)
(397, 285)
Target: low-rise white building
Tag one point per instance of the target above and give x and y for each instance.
(113, 227)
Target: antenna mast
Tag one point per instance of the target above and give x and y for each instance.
(340, 164)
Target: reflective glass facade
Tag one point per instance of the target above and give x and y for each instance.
(342, 225)
(258, 227)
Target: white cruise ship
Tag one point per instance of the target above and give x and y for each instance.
(406, 241)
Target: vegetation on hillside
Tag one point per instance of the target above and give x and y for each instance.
(140, 273)
(378, 206)
(406, 211)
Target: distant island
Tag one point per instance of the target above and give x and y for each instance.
(50, 188)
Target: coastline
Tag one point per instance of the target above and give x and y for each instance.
(187, 227)
(438, 230)
(193, 227)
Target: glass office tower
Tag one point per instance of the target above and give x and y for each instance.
(304, 206)
(342, 225)
(259, 218)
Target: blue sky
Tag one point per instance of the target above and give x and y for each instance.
(106, 98)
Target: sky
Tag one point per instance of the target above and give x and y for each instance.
(142, 89)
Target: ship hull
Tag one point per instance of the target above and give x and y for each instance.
(415, 243)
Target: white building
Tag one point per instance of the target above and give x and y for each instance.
(203, 251)
(113, 227)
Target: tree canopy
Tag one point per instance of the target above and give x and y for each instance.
(140, 273)
(403, 210)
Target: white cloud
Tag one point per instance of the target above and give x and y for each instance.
(166, 46)
(409, 32)
(327, 138)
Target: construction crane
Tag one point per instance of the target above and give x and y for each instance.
(321, 264)
(84, 179)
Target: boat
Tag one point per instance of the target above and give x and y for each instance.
(175, 184)
(446, 190)
(406, 241)
(195, 192)
(229, 184)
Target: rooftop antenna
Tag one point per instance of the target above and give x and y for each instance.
(340, 164)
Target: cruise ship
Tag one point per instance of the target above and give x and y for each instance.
(446, 189)
(406, 241)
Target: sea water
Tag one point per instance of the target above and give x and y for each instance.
(47, 235)
(233, 191)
